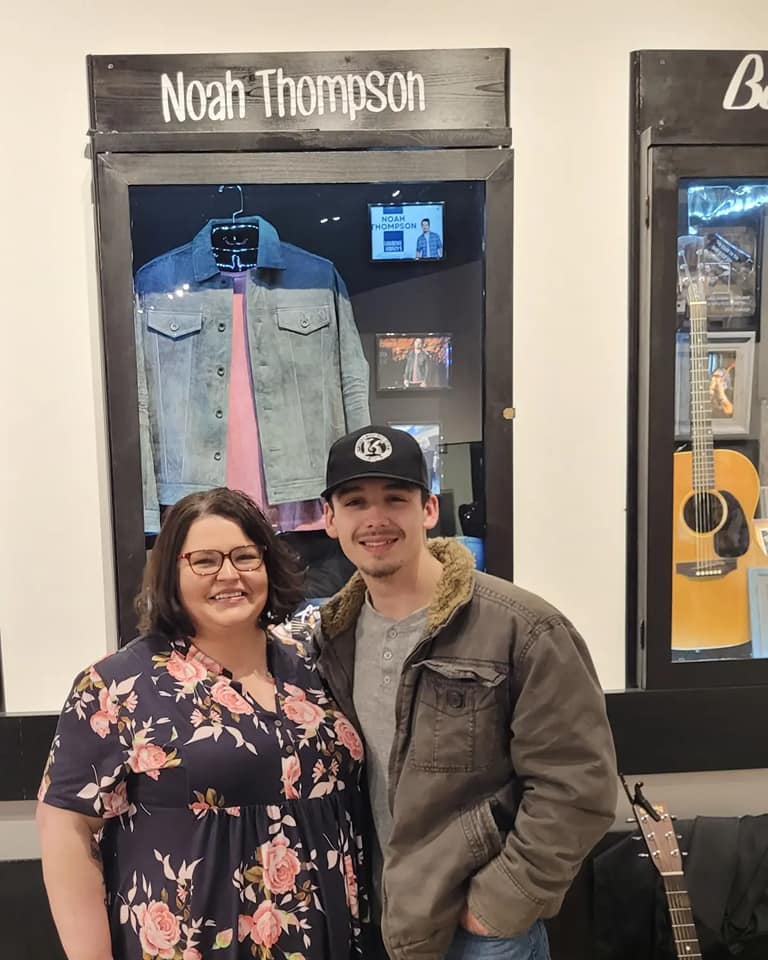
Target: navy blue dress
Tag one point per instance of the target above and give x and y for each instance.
(229, 831)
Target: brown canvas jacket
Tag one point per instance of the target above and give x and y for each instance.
(499, 704)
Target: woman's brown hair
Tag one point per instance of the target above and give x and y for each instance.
(159, 604)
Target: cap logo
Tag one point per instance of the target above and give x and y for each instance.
(373, 447)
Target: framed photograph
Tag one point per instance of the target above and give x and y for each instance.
(730, 367)
(429, 437)
(757, 579)
(407, 231)
(761, 534)
(421, 361)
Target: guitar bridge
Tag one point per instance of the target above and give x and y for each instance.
(706, 569)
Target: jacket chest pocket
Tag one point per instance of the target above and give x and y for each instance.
(303, 320)
(174, 325)
(459, 716)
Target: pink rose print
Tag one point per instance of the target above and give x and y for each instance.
(347, 735)
(43, 788)
(264, 927)
(296, 692)
(159, 930)
(350, 885)
(186, 671)
(244, 927)
(147, 758)
(191, 953)
(281, 865)
(108, 704)
(305, 713)
(291, 773)
(100, 724)
(115, 803)
(223, 693)
(232, 811)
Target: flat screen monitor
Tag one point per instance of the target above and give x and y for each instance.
(407, 231)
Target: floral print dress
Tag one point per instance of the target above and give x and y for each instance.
(229, 831)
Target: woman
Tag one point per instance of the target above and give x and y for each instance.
(220, 779)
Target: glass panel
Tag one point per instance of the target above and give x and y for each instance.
(272, 318)
(720, 523)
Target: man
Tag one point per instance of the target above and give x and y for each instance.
(490, 761)
(429, 246)
(417, 365)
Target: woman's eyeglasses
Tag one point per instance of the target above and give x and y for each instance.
(206, 562)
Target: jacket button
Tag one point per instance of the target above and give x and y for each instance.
(455, 699)
(304, 322)
(220, 371)
(174, 326)
(217, 456)
(219, 414)
(222, 327)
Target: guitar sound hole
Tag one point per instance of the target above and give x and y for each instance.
(703, 512)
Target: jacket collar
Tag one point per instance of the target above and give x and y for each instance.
(454, 589)
(270, 255)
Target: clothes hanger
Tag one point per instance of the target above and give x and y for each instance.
(235, 244)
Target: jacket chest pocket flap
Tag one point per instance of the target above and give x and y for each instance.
(303, 320)
(174, 325)
(459, 716)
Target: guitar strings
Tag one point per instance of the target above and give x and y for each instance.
(703, 471)
(683, 929)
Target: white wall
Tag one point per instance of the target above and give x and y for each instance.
(570, 119)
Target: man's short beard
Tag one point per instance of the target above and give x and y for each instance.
(379, 573)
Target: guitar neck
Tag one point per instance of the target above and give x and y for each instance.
(701, 408)
(683, 928)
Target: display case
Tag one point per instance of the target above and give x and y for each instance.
(299, 258)
(697, 548)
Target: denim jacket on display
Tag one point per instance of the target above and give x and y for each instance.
(309, 373)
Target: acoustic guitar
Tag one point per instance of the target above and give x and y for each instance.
(715, 494)
(658, 833)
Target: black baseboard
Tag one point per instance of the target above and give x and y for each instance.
(28, 932)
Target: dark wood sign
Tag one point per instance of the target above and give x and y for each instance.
(299, 92)
(701, 96)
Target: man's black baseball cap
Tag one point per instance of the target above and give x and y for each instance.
(375, 453)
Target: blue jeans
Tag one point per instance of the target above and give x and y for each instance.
(531, 945)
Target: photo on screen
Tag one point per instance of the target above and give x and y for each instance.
(428, 435)
(407, 231)
(413, 361)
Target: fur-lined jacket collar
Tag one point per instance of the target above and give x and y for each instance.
(454, 589)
